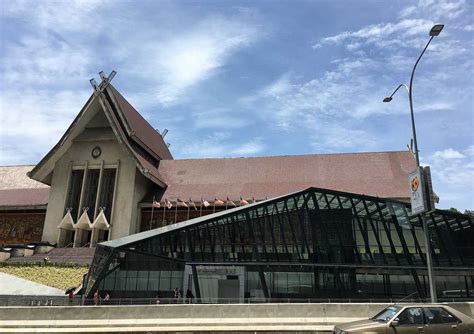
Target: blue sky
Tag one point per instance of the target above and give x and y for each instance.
(249, 78)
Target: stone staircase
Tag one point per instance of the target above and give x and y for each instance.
(60, 255)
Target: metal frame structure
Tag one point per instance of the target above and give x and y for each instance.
(326, 241)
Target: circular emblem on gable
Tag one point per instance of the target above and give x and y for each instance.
(96, 152)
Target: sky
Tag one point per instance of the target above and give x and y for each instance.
(249, 78)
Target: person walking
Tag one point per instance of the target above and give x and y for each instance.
(106, 298)
(189, 296)
(96, 298)
(176, 295)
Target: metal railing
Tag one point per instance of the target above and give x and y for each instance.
(39, 301)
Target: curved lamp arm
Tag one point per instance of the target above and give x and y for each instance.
(389, 98)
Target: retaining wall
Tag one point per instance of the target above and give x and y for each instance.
(183, 317)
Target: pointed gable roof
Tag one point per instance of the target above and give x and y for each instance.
(145, 146)
(139, 129)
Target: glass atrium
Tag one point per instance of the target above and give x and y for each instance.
(314, 244)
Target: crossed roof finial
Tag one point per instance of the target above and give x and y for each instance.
(104, 81)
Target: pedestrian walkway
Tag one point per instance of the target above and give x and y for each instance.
(13, 285)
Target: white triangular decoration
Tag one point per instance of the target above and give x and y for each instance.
(101, 222)
(67, 223)
(84, 222)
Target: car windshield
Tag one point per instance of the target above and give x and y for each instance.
(387, 314)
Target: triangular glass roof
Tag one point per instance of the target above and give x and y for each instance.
(363, 207)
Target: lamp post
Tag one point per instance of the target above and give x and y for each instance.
(435, 31)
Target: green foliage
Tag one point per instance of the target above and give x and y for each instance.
(466, 212)
(469, 213)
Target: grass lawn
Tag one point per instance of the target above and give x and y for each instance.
(60, 277)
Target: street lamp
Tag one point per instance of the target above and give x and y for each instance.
(435, 31)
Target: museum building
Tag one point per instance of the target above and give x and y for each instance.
(307, 226)
(99, 181)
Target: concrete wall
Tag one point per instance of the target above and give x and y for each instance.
(142, 187)
(325, 312)
(217, 311)
(223, 317)
(131, 185)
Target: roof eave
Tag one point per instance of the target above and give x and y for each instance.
(122, 139)
(130, 132)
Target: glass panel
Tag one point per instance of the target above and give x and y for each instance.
(411, 316)
(90, 191)
(107, 191)
(74, 192)
(120, 281)
(438, 315)
(109, 282)
(131, 280)
(153, 281)
(165, 281)
(142, 280)
(281, 282)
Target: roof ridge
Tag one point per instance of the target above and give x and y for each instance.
(288, 155)
(139, 129)
(17, 166)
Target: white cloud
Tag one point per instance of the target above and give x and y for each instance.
(31, 122)
(469, 151)
(448, 9)
(218, 119)
(453, 177)
(334, 138)
(408, 11)
(44, 59)
(249, 148)
(346, 91)
(448, 154)
(218, 145)
(399, 34)
(71, 15)
(278, 87)
(183, 60)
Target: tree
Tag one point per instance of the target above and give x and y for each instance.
(454, 210)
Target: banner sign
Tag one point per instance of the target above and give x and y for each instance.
(416, 191)
(428, 187)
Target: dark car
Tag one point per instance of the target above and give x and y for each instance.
(415, 318)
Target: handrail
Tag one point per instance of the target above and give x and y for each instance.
(86, 245)
(64, 301)
(69, 245)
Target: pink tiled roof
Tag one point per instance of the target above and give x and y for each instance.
(24, 197)
(382, 174)
(14, 177)
(17, 189)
